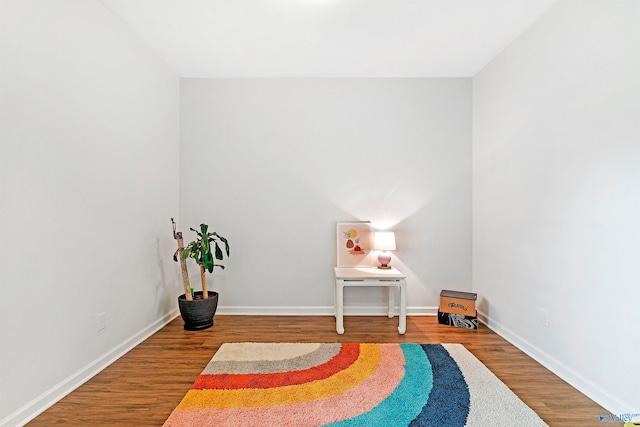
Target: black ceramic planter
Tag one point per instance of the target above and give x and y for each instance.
(198, 314)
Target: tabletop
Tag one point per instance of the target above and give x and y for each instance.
(367, 273)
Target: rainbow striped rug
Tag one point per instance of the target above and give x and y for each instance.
(385, 385)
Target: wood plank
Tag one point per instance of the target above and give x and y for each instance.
(146, 384)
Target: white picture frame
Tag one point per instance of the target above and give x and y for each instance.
(354, 243)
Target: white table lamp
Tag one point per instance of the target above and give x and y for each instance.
(384, 241)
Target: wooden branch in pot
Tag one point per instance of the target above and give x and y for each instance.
(183, 263)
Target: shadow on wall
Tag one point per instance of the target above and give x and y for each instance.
(166, 291)
(482, 306)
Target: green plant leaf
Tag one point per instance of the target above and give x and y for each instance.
(226, 243)
(218, 251)
(206, 247)
(208, 262)
(186, 253)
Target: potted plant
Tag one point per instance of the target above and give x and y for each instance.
(198, 308)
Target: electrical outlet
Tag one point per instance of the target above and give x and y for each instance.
(544, 320)
(102, 321)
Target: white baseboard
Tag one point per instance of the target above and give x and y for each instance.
(318, 311)
(35, 407)
(577, 381)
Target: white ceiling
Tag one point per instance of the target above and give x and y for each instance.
(328, 38)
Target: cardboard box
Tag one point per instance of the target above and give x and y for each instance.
(455, 302)
(458, 320)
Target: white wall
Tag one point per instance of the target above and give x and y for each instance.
(273, 164)
(88, 168)
(556, 186)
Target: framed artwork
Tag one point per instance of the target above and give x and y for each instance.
(354, 244)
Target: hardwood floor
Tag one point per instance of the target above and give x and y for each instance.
(145, 385)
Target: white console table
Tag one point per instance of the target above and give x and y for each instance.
(370, 276)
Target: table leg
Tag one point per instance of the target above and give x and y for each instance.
(335, 301)
(392, 305)
(339, 306)
(402, 326)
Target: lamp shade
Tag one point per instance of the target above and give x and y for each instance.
(384, 241)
